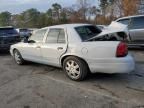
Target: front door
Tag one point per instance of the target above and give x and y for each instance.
(32, 49)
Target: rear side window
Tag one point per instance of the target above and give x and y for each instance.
(124, 21)
(56, 36)
(38, 35)
(137, 23)
(61, 37)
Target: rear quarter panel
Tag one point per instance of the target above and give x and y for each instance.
(99, 49)
(93, 50)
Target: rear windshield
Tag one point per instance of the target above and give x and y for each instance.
(87, 32)
(24, 30)
(7, 31)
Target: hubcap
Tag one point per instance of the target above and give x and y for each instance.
(17, 57)
(73, 69)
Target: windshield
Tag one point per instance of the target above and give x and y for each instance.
(7, 31)
(87, 32)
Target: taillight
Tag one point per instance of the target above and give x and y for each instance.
(122, 50)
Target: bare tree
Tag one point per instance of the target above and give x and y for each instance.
(141, 7)
(84, 6)
(127, 7)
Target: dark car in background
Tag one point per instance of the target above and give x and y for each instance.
(136, 29)
(8, 37)
(24, 32)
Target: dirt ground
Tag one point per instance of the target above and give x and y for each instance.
(40, 86)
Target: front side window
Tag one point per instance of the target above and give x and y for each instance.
(56, 36)
(87, 32)
(124, 21)
(38, 35)
(137, 23)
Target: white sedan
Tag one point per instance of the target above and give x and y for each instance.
(78, 48)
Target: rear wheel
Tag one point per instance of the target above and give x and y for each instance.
(18, 58)
(75, 68)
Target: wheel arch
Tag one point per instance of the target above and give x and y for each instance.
(14, 50)
(65, 56)
(17, 50)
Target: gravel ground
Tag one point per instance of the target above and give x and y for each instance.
(40, 86)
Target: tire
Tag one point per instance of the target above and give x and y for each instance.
(75, 68)
(18, 58)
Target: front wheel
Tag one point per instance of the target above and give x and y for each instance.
(75, 68)
(18, 58)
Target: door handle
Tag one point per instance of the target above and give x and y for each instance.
(60, 48)
(38, 47)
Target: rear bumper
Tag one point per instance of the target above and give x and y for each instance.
(5, 46)
(114, 65)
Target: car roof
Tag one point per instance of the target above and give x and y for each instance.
(101, 25)
(66, 26)
(22, 28)
(130, 17)
(6, 27)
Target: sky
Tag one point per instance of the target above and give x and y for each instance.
(18, 6)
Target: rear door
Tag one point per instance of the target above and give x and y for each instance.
(136, 29)
(55, 46)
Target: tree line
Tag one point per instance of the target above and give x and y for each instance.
(84, 11)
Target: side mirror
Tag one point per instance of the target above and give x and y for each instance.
(30, 34)
(25, 40)
(31, 41)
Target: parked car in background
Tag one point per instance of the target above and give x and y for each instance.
(101, 26)
(32, 30)
(78, 48)
(8, 37)
(24, 32)
(136, 29)
(116, 31)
